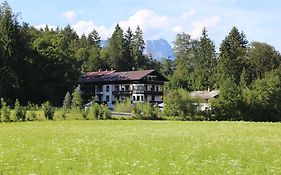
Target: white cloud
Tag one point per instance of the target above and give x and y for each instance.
(197, 26)
(85, 27)
(154, 26)
(69, 15)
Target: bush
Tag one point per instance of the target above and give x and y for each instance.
(5, 112)
(67, 101)
(124, 106)
(48, 111)
(93, 112)
(31, 116)
(75, 114)
(76, 99)
(105, 113)
(60, 114)
(145, 111)
(97, 111)
(178, 102)
(19, 111)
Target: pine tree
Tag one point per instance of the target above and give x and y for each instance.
(116, 49)
(67, 101)
(128, 49)
(94, 39)
(76, 99)
(204, 72)
(138, 48)
(232, 56)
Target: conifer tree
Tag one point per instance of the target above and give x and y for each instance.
(67, 101)
(138, 48)
(76, 99)
(116, 49)
(232, 56)
(204, 72)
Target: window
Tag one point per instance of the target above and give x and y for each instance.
(107, 88)
(127, 87)
(134, 98)
(152, 98)
(138, 98)
(145, 97)
(152, 88)
(157, 88)
(107, 98)
(141, 98)
(116, 87)
(145, 87)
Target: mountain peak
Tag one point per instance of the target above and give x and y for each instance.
(158, 49)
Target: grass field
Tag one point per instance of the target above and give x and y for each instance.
(140, 147)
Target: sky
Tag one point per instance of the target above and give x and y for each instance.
(258, 19)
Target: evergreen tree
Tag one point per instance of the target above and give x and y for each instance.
(116, 49)
(138, 46)
(76, 99)
(232, 56)
(204, 72)
(19, 111)
(128, 49)
(67, 101)
(229, 103)
(94, 39)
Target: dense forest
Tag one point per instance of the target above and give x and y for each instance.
(38, 65)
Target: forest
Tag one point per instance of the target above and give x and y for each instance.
(39, 65)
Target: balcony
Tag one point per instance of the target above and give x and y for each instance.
(99, 92)
(125, 92)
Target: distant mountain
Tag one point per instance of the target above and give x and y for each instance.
(156, 48)
(103, 43)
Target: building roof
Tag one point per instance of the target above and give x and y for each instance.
(205, 94)
(114, 76)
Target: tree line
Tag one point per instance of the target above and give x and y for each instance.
(248, 76)
(38, 65)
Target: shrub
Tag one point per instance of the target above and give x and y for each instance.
(31, 116)
(67, 101)
(48, 111)
(93, 112)
(76, 99)
(19, 111)
(5, 111)
(124, 106)
(97, 111)
(146, 111)
(105, 113)
(179, 103)
(74, 114)
(60, 114)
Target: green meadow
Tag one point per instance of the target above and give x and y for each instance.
(139, 147)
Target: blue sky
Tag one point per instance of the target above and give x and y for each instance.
(259, 19)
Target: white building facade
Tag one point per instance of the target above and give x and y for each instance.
(109, 87)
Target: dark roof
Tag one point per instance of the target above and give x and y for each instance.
(114, 76)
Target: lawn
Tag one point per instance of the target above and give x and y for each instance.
(140, 147)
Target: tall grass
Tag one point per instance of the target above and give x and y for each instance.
(140, 147)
